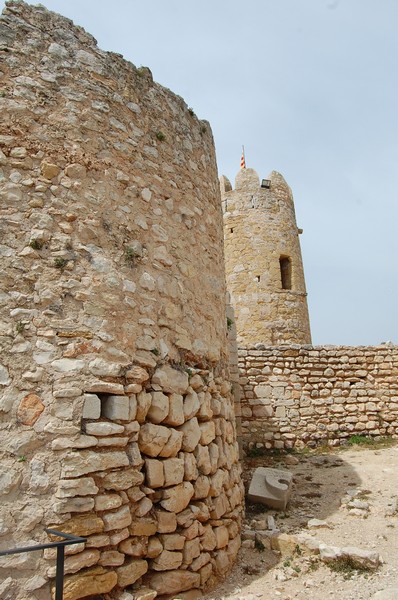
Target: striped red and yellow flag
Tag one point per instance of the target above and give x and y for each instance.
(242, 160)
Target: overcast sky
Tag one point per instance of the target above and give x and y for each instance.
(310, 87)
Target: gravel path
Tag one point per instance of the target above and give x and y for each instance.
(354, 494)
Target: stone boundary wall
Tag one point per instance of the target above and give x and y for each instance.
(308, 395)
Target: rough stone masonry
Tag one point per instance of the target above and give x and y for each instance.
(116, 412)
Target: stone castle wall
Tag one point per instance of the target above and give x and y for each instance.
(304, 395)
(260, 231)
(116, 413)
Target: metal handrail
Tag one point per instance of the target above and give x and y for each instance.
(60, 546)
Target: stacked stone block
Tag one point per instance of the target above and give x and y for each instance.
(304, 395)
(116, 412)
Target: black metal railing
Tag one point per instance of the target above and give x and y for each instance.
(60, 546)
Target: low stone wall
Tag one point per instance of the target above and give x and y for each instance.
(304, 395)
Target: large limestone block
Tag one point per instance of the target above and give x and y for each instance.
(144, 400)
(137, 374)
(208, 429)
(82, 525)
(173, 541)
(68, 488)
(159, 408)
(118, 519)
(174, 581)
(130, 572)
(122, 480)
(134, 546)
(154, 472)
(167, 521)
(177, 498)
(203, 459)
(145, 527)
(30, 409)
(87, 461)
(173, 471)
(104, 428)
(191, 405)
(167, 560)
(176, 410)
(171, 380)
(191, 435)
(153, 438)
(271, 487)
(173, 445)
(202, 487)
(190, 468)
(116, 408)
(91, 582)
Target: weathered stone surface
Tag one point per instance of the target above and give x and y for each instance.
(131, 572)
(107, 501)
(4, 376)
(175, 499)
(167, 560)
(104, 428)
(174, 581)
(111, 558)
(153, 438)
(121, 480)
(191, 405)
(117, 408)
(30, 409)
(171, 380)
(9, 480)
(70, 505)
(173, 471)
(86, 461)
(89, 582)
(159, 408)
(175, 416)
(144, 526)
(82, 525)
(208, 430)
(167, 521)
(173, 444)
(118, 519)
(191, 435)
(154, 472)
(68, 488)
(91, 407)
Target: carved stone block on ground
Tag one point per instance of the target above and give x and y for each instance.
(271, 487)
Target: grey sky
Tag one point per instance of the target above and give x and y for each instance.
(310, 87)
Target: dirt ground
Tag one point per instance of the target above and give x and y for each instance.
(355, 491)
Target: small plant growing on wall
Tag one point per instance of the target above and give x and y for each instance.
(20, 327)
(36, 244)
(60, 263)
(229, 323)
(131, 255)
(160, 136)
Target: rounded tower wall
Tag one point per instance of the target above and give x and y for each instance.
(264, 269)
(116, 411)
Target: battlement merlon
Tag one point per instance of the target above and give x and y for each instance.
(272, 193)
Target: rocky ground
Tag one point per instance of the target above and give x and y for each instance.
(340, 498)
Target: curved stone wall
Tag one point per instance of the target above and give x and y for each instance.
(260, 231)
(115, 400)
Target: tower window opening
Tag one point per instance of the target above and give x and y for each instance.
(285, 265)
(257, 277)
(232, 229)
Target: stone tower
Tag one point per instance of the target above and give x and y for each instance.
(264, 267)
